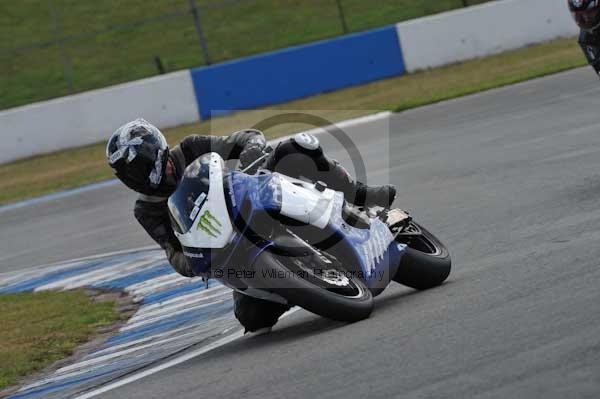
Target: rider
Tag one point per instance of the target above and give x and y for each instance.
(140, 157)
(587, 16)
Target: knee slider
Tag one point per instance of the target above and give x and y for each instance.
(254, 314)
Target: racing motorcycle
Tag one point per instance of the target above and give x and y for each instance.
(298, 243)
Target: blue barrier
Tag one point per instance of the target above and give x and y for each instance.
(297, 72)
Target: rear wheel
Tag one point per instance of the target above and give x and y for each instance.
(317, 286)
(426, 262)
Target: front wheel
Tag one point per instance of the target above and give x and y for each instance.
(319, 287)
(426, 262)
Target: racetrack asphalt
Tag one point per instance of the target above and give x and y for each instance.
(508, 179)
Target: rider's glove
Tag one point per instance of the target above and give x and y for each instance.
(249, 155)
(179, 262)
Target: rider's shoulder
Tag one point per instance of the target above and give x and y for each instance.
(194, 139)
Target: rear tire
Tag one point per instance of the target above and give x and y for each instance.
(334, 294)
(426, 263)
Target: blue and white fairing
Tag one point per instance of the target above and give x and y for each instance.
(199, 214)
(209, 200)
(371, 251)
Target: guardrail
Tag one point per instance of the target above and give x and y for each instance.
(86, 118)
(275, 77)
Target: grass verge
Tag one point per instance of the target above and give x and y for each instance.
(73, 168)
(37, 329)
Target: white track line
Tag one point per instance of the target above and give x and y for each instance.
(58, 195)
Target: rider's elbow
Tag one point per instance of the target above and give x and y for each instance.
(179, 262)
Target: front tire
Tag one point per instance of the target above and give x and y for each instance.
(426, 263)
(332, 293)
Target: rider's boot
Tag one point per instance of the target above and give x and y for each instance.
(356, 192)
(375, 195)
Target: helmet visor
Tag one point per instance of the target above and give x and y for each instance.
(587, 19)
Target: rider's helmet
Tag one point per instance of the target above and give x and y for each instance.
(586, 13)
(138, 154)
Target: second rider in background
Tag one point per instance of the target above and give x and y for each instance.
(587, 16)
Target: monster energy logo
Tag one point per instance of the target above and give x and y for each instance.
(209, 224)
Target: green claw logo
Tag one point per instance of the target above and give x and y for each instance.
(209, 224)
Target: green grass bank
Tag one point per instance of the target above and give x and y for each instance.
(37, 329)
(54, 48)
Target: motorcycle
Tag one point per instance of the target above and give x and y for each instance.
(298, 243)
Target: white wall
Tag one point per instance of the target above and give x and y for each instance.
(482, 30)
(166, 100)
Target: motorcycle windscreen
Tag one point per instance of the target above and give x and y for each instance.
(198, 209)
